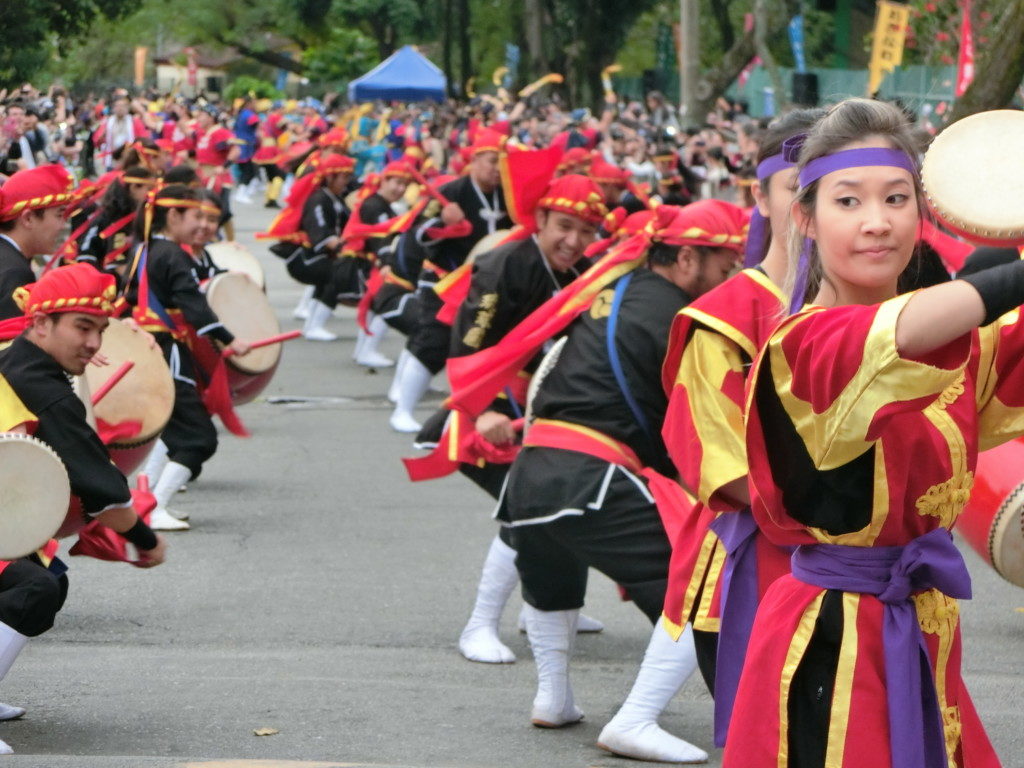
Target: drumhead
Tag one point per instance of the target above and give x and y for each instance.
(1006, 538)
(488, 242)
(145, 394)
(246, 312)
(235, 257)
(34, 495)
(973, 175)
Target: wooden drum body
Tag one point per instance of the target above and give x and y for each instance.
(245, 311)
(145, 394)
(234, 257)
(993, 520)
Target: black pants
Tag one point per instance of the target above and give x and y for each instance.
(246, 172)
(335, 279)
(398, 307)
(624, 539)
(30, 596)
(429, 340)
(190, 436)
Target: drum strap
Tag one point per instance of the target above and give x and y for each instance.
(616, 361)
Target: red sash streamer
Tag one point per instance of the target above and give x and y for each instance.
(103, 543)
(476, 379)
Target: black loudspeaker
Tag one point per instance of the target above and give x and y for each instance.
(805, 89)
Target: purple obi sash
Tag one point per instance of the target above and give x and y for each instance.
(736, 531)
(891, 574)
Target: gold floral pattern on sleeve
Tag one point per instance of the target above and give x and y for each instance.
(946, 500)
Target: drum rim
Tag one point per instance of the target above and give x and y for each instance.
(156, 354)
(231, 361)
(1001, 237)
(32, 439)
(1012, 506)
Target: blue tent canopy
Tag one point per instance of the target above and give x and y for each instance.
(406, 75)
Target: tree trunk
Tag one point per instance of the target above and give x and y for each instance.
(761, 33)
(999, 70)
(716, 80)
(465, 52)
(720, 10)
(536, 62)
(446, 46)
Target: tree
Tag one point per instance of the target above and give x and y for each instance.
(1000, 67)
(32, 29)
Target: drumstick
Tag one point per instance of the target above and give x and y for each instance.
(267, 341)
(418, 178)
(110, 383)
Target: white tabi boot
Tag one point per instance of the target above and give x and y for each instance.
(368, 354)
(634, 731)
(479, 640)
(172, 478)
(552, 634)
(155, 463)
(585, 626)
(319, 314)
(301, 311)
(412, 386)
(396, 380)
(11, 643)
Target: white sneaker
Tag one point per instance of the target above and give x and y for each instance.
(374, 359)
(161, 520)
(404, 422)
(7, 712)
(242, 196)
(5, 748)
(319, 334)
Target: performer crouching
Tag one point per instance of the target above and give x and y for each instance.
(65, 314)
(164, 288)
(575, 498)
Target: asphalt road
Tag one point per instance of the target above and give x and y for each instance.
(321, 594)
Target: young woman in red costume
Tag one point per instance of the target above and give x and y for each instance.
(866, 411)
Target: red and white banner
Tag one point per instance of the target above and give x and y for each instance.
(965, 64)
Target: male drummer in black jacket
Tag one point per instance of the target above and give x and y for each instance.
(59, 331)
(31, 207)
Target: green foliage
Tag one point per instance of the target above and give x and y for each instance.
(35, 29)
(246, 85)
(343, 54)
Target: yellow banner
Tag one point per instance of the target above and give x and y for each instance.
(887, 47)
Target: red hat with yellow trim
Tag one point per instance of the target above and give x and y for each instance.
(397, 169)
(487, 140)
(604, 172)
(74, 288)
(336, 137)
(35, 189)
(574, 160)
(577, 196)
(709, 223)
(328, 164)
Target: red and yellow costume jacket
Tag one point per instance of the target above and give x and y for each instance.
(852, 444)
(713, 342)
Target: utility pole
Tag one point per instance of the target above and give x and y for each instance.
(689, 59)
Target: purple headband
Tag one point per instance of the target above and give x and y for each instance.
(821, 166)
(757, 235)
(772, 165)
(855, 158)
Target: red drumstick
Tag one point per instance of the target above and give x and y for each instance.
(418, 178)
(267, 341)
(110, 383)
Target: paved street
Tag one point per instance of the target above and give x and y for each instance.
(321, 594)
